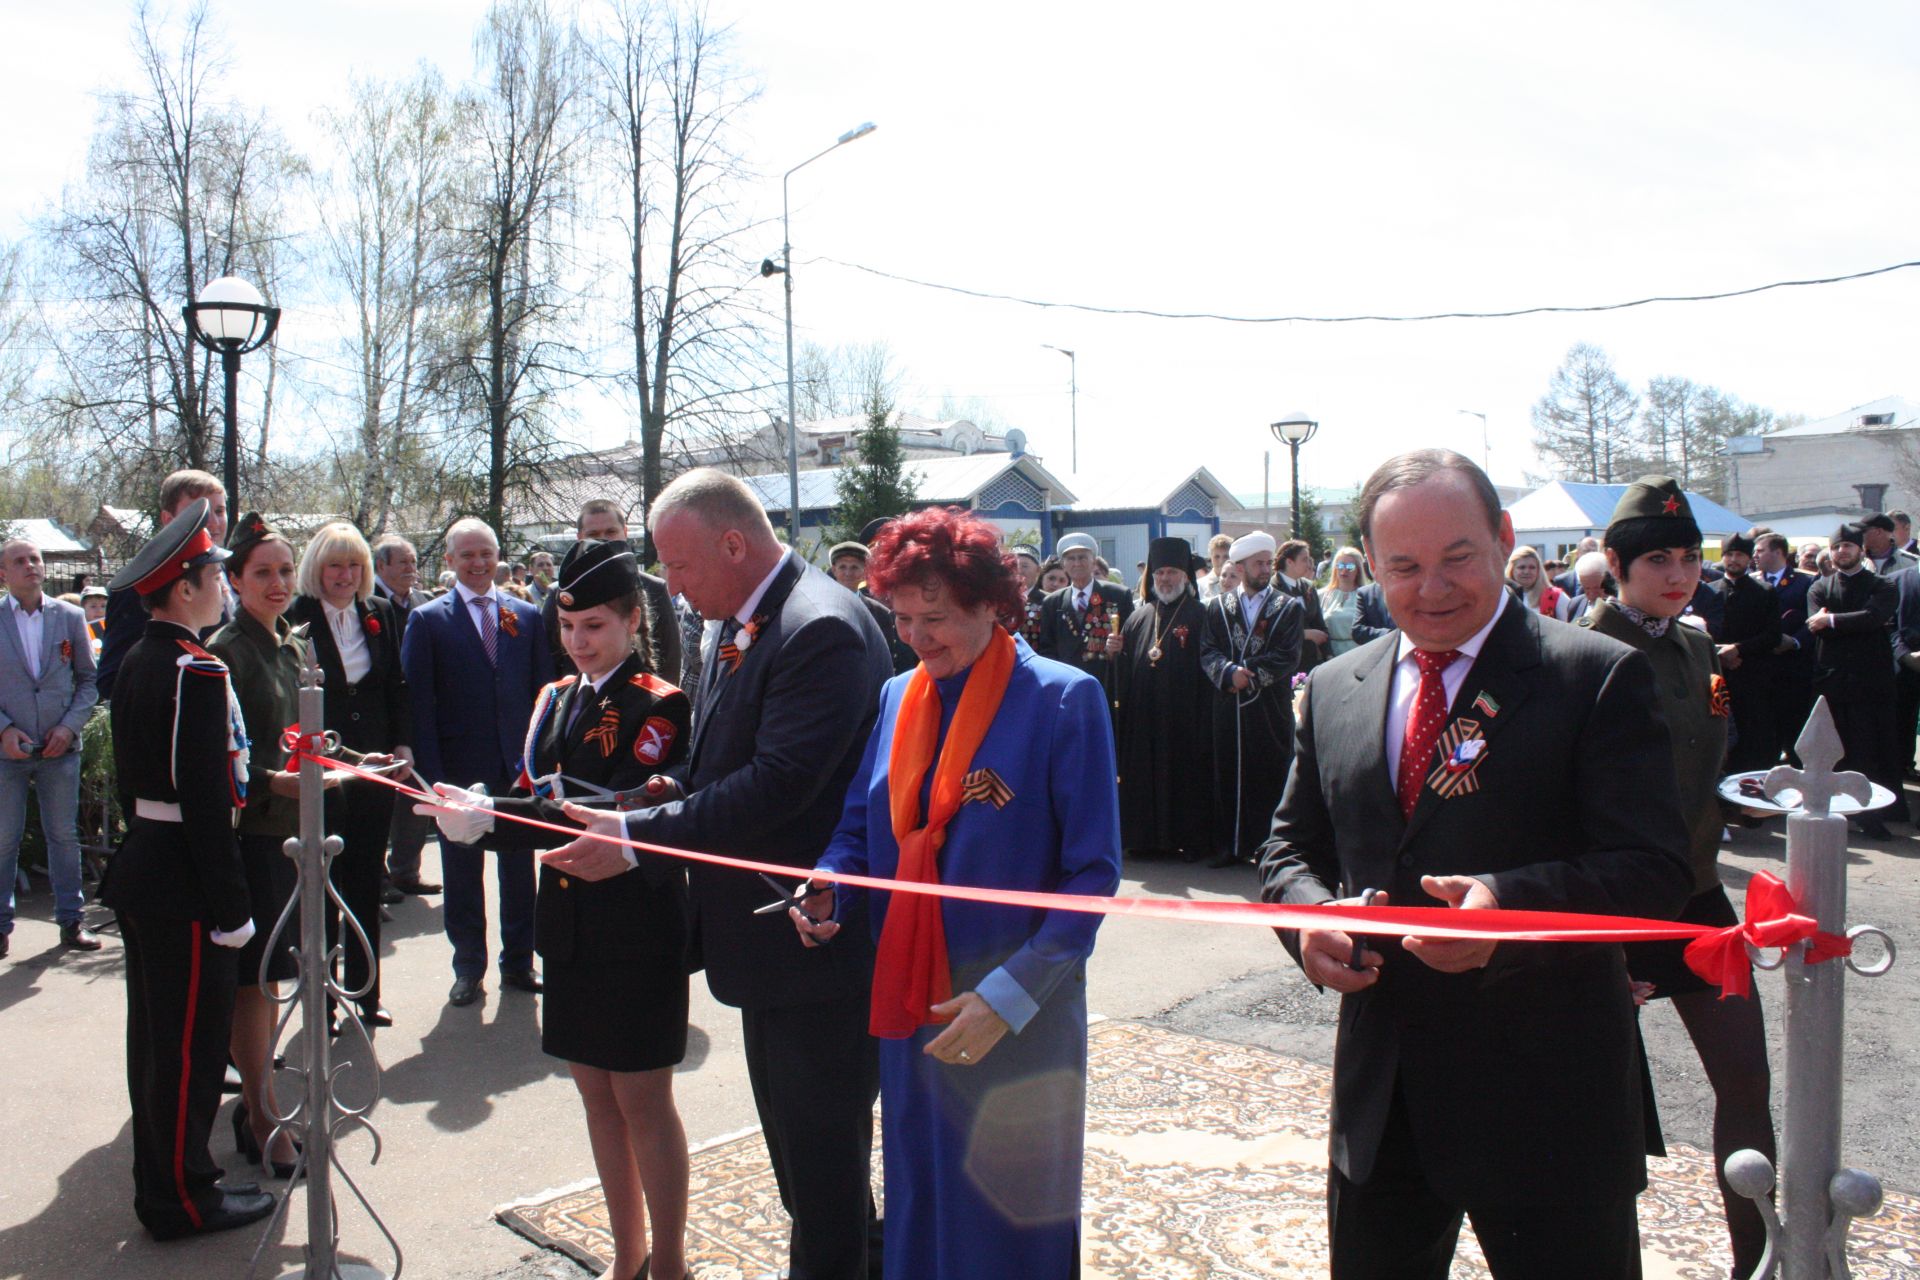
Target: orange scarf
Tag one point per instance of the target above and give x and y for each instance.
(910, 972)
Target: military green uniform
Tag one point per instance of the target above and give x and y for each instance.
(265, 669)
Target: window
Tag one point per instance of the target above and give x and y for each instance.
(1872, 496)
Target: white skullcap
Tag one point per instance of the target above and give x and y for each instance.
(1251, 544)
(1077, 542)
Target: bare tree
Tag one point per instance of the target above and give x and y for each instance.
(841, 381)
(521, 130)
(1584, 424)
(180, 188)
(384, 246)
(668, 97)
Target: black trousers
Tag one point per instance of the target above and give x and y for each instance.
(361, 814)
(1755, 721)
(816, 1073)
(1906, 715)
(180, 990)
(1395, 1227)
(1869, 736)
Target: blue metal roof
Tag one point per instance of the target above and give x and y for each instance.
(1567, 505)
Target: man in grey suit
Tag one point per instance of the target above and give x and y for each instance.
(789, 700)
(1498, 1080)
(46, 693)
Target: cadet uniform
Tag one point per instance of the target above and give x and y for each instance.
(179, 894)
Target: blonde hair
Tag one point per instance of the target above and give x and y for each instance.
(1540, 583)
(332, 541)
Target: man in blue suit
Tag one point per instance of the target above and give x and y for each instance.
(1375, 619)
(46, 694)
(475, 657)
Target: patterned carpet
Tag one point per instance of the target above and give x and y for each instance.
(1205, 1161)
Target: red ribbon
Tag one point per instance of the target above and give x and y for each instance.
(1773, 920)
(1717, 955)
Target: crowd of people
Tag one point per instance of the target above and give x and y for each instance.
(1412, 722)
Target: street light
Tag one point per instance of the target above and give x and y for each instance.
(786, 269)
(1073, 398)
(1486, 445)
(231, 317)
(1293, 431)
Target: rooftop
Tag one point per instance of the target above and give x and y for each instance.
(1566, 505)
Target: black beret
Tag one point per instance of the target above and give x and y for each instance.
(595, 572)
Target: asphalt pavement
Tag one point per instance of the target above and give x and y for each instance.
(473, 1115)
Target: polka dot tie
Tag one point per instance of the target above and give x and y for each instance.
(1424, 722)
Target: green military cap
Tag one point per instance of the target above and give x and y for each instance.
(1652, 513)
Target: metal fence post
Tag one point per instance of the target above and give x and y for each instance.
(1818, 1198)
(317, 1119)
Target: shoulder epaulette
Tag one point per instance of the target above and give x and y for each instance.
(199, 661)
(194, 649)
(653, 684)
(563, 682)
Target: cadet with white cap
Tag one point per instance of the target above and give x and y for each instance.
(1250, 650)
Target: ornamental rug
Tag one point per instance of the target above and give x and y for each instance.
(1205, 1161)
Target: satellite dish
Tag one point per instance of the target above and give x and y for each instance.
(1016, 441)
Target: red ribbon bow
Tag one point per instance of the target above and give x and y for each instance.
(1773, 920)
(296, 746)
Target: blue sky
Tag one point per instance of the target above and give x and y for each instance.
(1273, 158)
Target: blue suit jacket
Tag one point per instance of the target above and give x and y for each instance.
(1374, 620)
(470, 718)
(64, 693)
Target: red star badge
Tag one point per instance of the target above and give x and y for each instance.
(1671, 506)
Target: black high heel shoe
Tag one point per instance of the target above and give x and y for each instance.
(243, 1139)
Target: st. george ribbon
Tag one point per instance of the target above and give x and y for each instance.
(1718, 955)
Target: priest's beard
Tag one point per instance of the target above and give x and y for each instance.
(1169, 597)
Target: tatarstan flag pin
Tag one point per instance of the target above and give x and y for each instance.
(1486, 706)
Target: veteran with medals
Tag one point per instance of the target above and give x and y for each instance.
(1081, 623)
(176, 885)
(613, 952)
(1250, 649)
(1166, 716)
(993, 767)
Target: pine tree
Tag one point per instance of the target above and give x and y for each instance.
(1312, 529)
(1583, 426)
(878, 484)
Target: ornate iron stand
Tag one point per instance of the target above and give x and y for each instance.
(318, 1119)
(1806, 1238)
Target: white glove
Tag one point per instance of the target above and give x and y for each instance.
(465, 817)
(237, 939)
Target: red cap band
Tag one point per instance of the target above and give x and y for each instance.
(176, 564)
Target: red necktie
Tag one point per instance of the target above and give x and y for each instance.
(1424, 721)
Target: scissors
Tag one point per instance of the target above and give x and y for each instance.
(562, 787)
(1353, 962)
(800, 894)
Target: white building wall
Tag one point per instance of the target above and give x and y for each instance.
(1795, 472)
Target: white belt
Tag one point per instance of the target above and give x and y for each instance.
(157, 810)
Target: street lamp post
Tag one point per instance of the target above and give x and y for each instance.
(1293, 431)
(1486, 443)
(1073, 398)
(786, 269)
(231, 317)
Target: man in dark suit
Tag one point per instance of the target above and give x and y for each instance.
(1500, 1081)
(1906, 656)
(1851, 620)
(396, 579)
(789, 702)
(602, 521)
(474, 659)
(1080, 623)
(1773, 558)
(1375, 619)
(1569, 581)
(1296, 579)
(1746, 634)
(126, 620)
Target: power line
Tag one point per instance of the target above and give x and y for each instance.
(1385, 319)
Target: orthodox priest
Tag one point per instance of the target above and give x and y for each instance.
(1080, 624)
(1250, 649)
(1166, 709)
(1850, 613)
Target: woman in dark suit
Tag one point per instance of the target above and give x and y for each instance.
(356, 640)
(614, 950)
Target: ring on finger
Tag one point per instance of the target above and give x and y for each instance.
(965, 1056)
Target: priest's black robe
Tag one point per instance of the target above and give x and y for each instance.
(1166, 732)
(1252, 729)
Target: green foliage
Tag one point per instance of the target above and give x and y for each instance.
(1313, 527)
(878, 483)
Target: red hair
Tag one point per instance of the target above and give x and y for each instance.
(953, 547)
